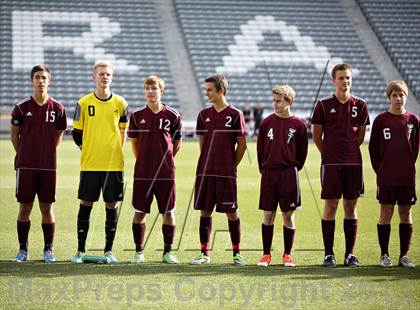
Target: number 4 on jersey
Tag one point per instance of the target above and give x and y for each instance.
(270, 134)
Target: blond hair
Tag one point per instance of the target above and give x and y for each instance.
(154, 80)
(397, 85)
(284, 90)
(102, 63)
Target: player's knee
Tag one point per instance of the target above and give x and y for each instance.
(139, 218)
(232, 216)
(385, 215)
(405, 214)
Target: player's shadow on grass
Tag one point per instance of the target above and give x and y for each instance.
(312, 272)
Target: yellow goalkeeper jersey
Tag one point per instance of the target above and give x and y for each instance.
(101, 121)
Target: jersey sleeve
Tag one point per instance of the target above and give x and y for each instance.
(364, 116)
(78, 117)
(239, 126)
(123, 122)
(374, 145)
(17, 116)
(61, 121)
(318, 116)
(176, 132)
(416, 137)
(199, 128)
(132, 127)
(301, 146)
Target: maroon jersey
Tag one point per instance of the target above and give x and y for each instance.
(393, 148)
(37, 133)
(340, 124)
(282, 142)
(219, 131)
(155, 135)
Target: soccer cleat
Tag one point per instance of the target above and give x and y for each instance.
(138, 258)
(201, 259)
(288, 260)
(385, 261)
(406, 262)
(238, 260)
(351, 261)
(78, 258)
(111, 259)
(22, 256)
(265, 260)
(329, 261)
(49, 257)
(169, 258)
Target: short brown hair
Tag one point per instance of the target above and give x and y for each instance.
(219, 81)
(154, 80)
(41, 67)
(397, 85)
(285, 90)
(340, 67)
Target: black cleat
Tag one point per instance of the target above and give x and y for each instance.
(351, 261)
(329, 261)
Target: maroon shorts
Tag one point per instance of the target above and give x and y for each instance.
(280, 187)
(144, 190)
(219, 191)
(396, 194)
(31, 182)
(342, 180)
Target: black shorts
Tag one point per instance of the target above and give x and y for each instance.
(110, 182)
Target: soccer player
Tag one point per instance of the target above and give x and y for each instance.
(282, 147)
(221, 132)
(37, 128)
(99, 129)
(393, 148)
(155, 132)
(338, 126)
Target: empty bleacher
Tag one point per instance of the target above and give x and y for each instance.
(397, 25)
(221, 36)
(70, 37)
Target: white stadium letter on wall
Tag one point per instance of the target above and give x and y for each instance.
(29, 42)
(246, 55)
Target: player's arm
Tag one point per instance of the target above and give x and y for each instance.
(123, 135)
(134, 147)
(201, 142)
(14, 136)
(123, 124)
(362, 132)
(240, 149)
(374, 144)
(58, 136)
(317, 136)
(302, 147)
(177, 146)
(260, 147)
(77, 135)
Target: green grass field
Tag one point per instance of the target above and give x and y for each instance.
(36, 285)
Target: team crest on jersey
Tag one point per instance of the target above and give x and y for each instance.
(207, 119)
(29, 113)
(409, 130)
(290, 134)
(142, 121)
(333, 110)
